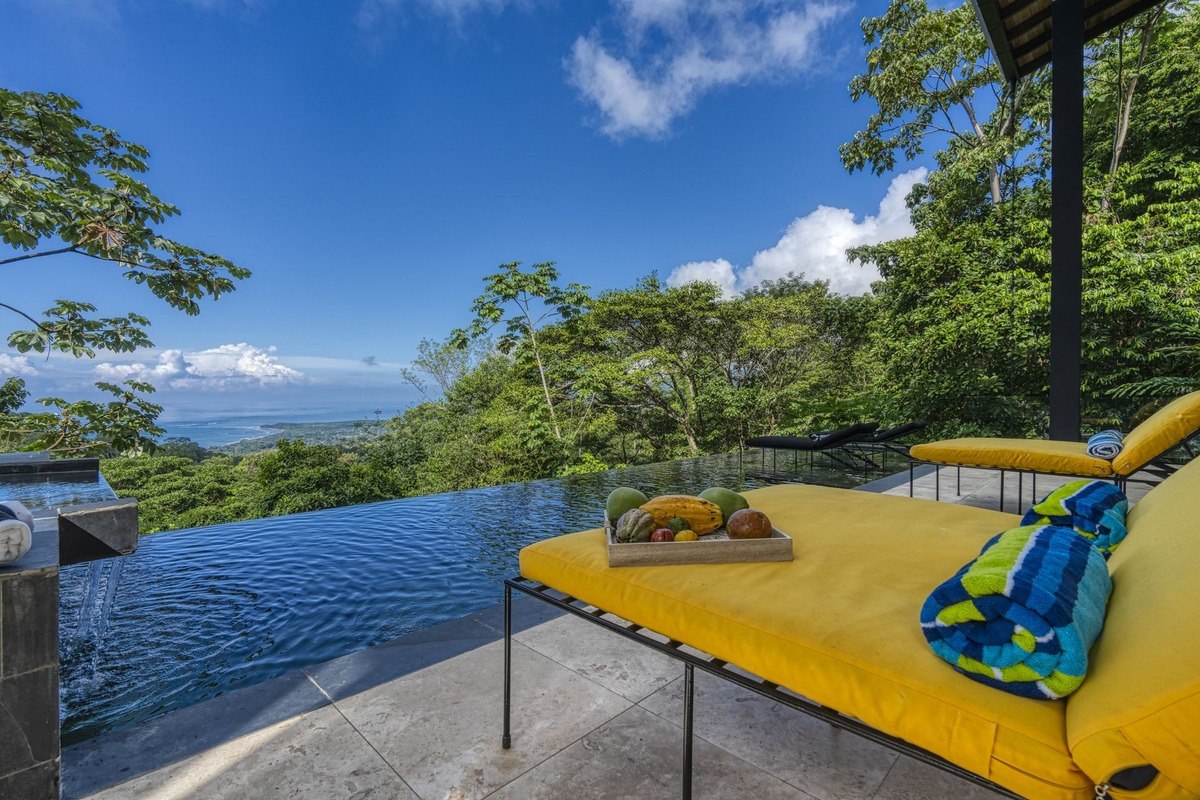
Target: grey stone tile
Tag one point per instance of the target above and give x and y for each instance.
(527, 612)
(365, 669)
(148, 746)
(28, 719)
(39, 782)
(314, 756)
(638, 756)
(440, 727)
(912, 780)
(632, 670)
(29, 606)
(802, 750)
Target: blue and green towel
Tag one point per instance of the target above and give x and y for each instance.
(1023, 615)
(1095, 509)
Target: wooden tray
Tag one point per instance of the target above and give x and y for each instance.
(712, 548)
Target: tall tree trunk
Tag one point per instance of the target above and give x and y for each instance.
(1125, 95)
(537, 356)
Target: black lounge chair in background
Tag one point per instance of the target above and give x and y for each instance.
(884, 441)
(827, 442)
(853, 447)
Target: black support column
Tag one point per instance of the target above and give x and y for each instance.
(1066, 222)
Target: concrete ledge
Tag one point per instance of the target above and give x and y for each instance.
(89, 531)
(42, 464)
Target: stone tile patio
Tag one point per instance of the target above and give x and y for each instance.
(594, 716)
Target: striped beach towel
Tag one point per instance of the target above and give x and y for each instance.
(1095, 509)
(1023, 615)
(1106, 444)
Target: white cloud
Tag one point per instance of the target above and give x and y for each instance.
(815, 245)
(719, 272)
(18, 366)
(672, 52)
(229, 366)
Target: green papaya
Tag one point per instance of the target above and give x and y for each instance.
(728, 501)
(621, 500)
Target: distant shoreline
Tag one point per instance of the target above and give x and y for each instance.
(220, 433)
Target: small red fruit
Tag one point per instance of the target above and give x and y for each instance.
(663, 535)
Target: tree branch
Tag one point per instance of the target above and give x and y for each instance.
(18, 311)
(27, 256)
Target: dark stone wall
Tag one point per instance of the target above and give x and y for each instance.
(29, 679)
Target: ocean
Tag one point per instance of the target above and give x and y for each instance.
(221, 430)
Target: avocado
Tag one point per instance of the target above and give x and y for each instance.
(728, 501)
(623, 499)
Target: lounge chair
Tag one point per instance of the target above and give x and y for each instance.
(1144, 446)
(835, 634)
(824, 442)
(882, 442)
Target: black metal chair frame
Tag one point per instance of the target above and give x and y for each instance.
(853, 452)
(714, 666)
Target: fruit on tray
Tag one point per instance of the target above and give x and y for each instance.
(702, 516)
(663, 535)
(728, 501)
(686, 536)
(621, 500)
(635, 525)
(748, 524)
(677, 524)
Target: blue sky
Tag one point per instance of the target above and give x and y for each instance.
(371, 160)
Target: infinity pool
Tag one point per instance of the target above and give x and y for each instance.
(195, 613)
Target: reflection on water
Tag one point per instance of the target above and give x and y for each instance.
(202, 611)
(50, 490)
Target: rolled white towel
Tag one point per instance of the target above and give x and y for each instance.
(18, 508)
(15, 536)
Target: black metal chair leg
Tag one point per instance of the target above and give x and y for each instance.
(1001, 490)
(1020, 489)
(506, 741)
(689, 690)
(958, 481)
(937, 483)
(911, 469)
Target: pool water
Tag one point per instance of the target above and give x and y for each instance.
(195, 613)
(46, 492)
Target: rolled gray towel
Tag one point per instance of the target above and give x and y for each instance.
(16, 536)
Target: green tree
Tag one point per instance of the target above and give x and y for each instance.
(523, 302)
(964, 304)
(70, 187)
(299, 477)
(931, 77)
(175, 492)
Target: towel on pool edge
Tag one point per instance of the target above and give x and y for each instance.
(16, 531)
(1095, 509)
(1106, 444)
(1023, 615)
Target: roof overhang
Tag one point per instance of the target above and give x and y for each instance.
(1018, 31)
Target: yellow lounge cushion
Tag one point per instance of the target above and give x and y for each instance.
(1027, 455)
(1165, 429)
(1141, 701)
(840, 624)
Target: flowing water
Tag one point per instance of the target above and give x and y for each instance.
(196, 613)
